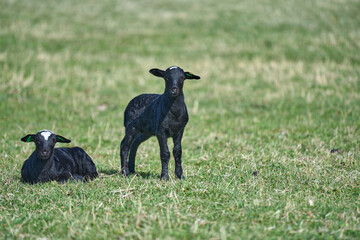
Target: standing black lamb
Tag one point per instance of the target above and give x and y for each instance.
(161, 115)
(47, 163)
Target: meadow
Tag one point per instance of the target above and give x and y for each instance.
(272, 147)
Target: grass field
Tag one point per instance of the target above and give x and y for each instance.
(279, 90)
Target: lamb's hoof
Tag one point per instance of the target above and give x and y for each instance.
(125, 172)
(181, 177)
(165, 177)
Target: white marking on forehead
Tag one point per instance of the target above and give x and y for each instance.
(46, 134)
(173, 67)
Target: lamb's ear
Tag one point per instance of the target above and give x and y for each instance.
(189, 75)
(61, 139)
(28, 138)
(157, 72)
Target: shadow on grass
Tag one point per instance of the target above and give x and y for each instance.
(147, 175)
(108, 172)
(112, 172)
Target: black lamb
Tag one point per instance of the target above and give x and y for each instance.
(161, 115)
(47, 163)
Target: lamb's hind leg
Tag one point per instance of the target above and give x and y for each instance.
(177, 151)
(130, 135)
(134, 146)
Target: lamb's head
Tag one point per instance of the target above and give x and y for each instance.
(174, 79)
(45, 141)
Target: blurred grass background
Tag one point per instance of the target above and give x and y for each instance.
(279, 90)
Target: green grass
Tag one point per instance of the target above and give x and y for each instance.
(279, 89)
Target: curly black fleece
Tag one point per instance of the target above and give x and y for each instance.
(47, 163)
(157, 115)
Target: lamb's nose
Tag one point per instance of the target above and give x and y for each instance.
(174, 90)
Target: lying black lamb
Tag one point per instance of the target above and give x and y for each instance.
(47, 163)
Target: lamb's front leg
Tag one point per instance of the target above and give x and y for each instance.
(164, 155)
(177, 151)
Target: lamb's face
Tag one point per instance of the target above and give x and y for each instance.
(45, 141)
(174, 78)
